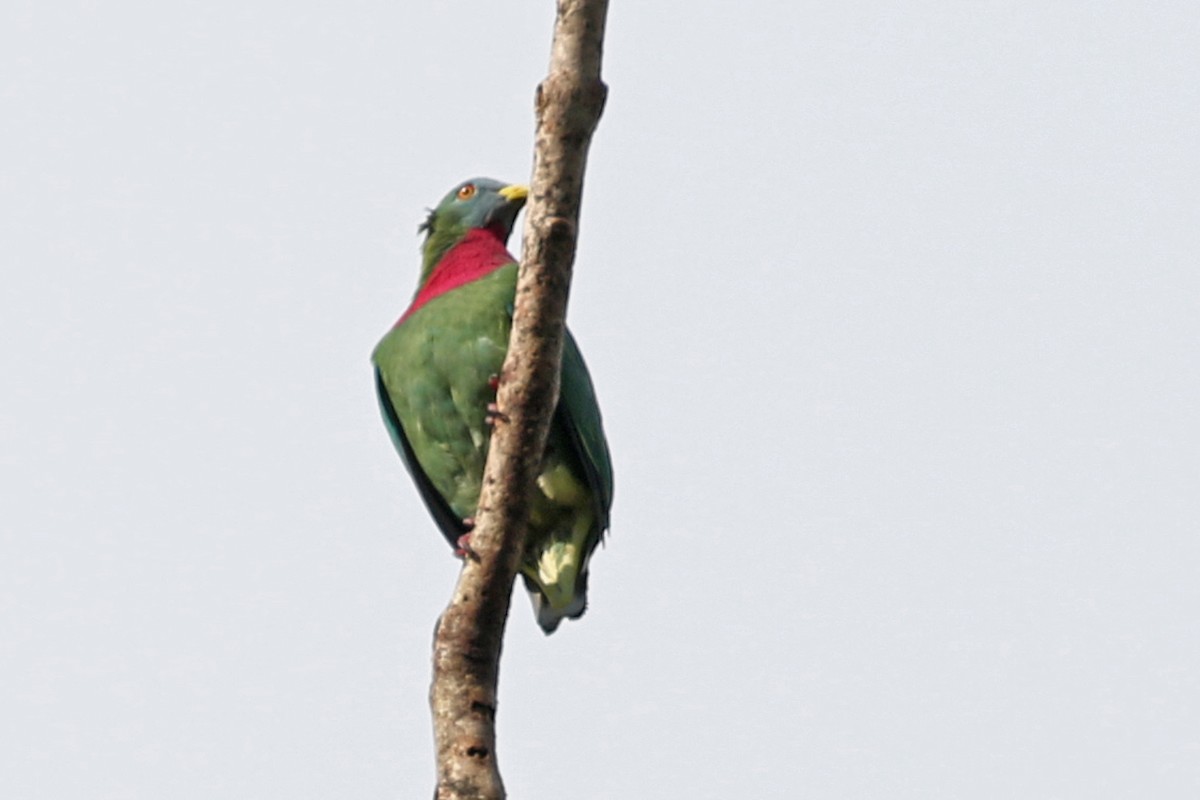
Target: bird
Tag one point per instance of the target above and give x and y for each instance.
(436, 374)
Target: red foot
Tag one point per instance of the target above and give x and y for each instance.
(494, 382)
(463, 543)
(494, 415)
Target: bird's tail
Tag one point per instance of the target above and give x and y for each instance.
(555, 573)
(548, 614)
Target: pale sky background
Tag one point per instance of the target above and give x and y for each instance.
(894, 314)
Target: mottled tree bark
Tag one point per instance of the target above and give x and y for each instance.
(466, 650)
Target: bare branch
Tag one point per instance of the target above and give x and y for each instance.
(466, 652)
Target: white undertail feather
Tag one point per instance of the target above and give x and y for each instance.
(559, 565)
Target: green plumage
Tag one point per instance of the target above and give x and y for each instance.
(435, 371)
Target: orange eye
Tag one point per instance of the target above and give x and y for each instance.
(466, 192)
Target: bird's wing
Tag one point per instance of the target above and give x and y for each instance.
(579, 414)
(451, 526)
